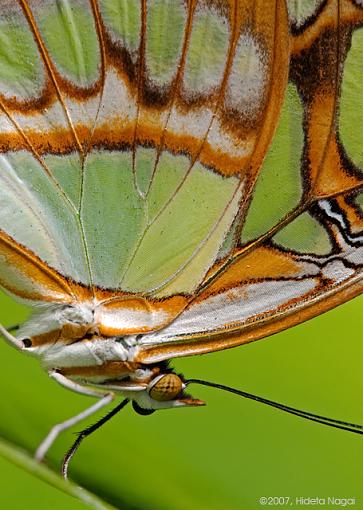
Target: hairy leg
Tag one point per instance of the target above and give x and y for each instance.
(86, 432)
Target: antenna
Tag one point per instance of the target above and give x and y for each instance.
(338, 424)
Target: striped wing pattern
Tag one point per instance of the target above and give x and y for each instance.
(189, 167)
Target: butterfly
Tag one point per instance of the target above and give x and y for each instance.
(177, 177)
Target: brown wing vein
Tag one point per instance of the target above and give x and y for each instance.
(140, 75)
(175, 90)
(48, 65)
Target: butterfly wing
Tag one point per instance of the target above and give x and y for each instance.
(300, 248)
(40, 185)
(134, 171)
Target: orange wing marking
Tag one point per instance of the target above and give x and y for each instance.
(44, 283)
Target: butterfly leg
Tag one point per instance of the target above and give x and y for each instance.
(13, 327)
(14, 342)
(104, 399)
(86, 432)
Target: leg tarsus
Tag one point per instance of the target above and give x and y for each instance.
(86, 432)
(104, 399)
(60, 427)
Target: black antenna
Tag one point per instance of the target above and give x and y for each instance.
(86, 432)
(338, 424)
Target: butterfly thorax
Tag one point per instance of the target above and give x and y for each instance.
(66, 339)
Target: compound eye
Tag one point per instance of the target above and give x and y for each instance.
(165, 387)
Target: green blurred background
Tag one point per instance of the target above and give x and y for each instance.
(224, 456)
